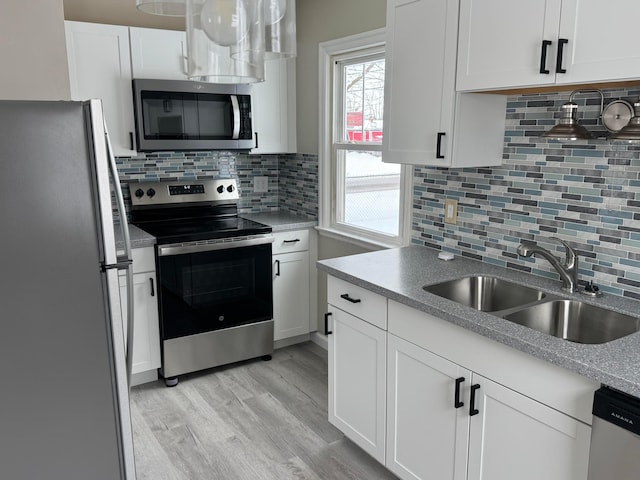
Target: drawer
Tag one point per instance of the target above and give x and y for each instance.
(293, 241)
(357, 301)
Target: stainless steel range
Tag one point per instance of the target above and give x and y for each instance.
(214, 273)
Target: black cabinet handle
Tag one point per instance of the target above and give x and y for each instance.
(472, 404)
(291, 241)
(277, 268)
(543, 56)
(561, 43)
(456, 402)
(256, 135)
(131, 140)
(153, 290)
(326, 323)
(349, 299)
(439, 145)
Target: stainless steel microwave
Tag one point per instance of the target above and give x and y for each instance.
(187, 115)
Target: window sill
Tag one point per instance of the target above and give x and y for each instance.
(354, 239)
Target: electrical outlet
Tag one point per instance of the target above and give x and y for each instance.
(450, 211)
(260, 184)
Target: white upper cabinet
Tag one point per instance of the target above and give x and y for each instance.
(274, 108)
(425, 121)
(100, 67)
(507, 44)
(603, 45)
(158, 53)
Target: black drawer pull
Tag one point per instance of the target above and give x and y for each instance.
(131, 140)
(256, 135)
(277, 268)
(439, 145)
(456, 402)
(349, 299)
(326, 323)
(543, 57)
(472, 407)
(561, 43)
(296, 240)
(153, 290)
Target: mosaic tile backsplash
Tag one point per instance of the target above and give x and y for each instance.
(295, 175)
(585, 192)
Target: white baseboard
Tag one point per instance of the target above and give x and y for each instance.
(144, 377)
(285, 342)
(320, 340)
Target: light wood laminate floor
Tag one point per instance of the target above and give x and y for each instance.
(253, 420)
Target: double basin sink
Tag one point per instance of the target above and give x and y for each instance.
(571, 320)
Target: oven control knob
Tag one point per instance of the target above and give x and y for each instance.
(220, 189)
(139, 193)
(230, 188)
(151, 192)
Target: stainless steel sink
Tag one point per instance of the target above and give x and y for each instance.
(487, 294)
(575, 321)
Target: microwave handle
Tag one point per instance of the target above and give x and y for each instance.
(236, 117)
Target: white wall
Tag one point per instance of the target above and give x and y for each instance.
(319, 21)
(32, 50)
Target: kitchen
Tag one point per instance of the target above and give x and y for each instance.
(529, 169)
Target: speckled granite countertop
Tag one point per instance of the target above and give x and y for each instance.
(139, 238)
(399, 274)
(282, 221)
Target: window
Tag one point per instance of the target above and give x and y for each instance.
(363, 197)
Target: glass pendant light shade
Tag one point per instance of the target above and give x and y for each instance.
(280, 28)
(171, 8)
(630, 132)
(225, 41)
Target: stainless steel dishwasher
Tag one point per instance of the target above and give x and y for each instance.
(615, 436)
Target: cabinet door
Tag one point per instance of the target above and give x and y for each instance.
(419, 81)
(426, 433)
(514, 436)
(146, 333)
(274, 108)
(158, 53)
(290, 294)
(100, 67)
(501, 43)
(357, 381)
(602, 41)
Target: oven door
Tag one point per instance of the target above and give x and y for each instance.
(211, 287)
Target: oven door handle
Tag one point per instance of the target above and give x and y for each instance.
(181, 249)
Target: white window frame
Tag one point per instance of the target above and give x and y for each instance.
(327, 54)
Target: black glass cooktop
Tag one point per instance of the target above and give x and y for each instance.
(195, 229)
(191, 225)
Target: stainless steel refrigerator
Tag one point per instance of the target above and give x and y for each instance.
(64, 399)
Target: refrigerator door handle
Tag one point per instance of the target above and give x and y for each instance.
(123, 263)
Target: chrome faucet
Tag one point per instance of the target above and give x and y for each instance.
(568, 271)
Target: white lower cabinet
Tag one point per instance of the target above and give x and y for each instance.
(514, 436)
(355, 325)
(481, 430)
(357, 381)
(455, 405)
(291, 284)
(146, 333)
(427, 436)
(291, 294)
